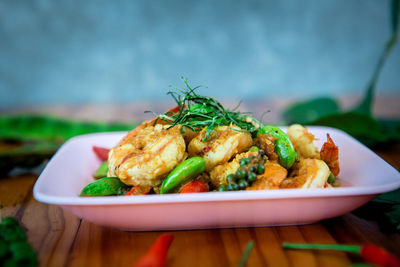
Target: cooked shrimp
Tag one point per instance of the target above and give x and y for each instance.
(330, 154)
(307, 173)
(271, 179)
(146, 155)
(303, 141)
(221, 147)
(266, 143)
(219, 173)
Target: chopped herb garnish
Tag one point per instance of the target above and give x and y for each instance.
(198, 112)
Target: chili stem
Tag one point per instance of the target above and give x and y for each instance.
(246, 254)
(347, 248)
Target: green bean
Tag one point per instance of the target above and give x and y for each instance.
(283, 146)
(108, 186)
(101, 171)
(182, 173)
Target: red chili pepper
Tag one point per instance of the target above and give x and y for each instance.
(101, 152)
(156, 256)
(139, 190)
(377, 255)
(196, 186)
(369, 252)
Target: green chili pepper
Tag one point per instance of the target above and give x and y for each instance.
(107, 186)
(101, 171)
(182, 173)
(283, 146)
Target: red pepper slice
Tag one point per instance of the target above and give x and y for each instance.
(138, 190)
(196, 186)
(101, 152)
(156, 256)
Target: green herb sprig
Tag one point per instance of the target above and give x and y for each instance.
(198, 112)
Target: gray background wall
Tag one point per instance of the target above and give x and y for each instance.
(75, 51)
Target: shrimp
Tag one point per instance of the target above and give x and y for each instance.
(266, 143)
(219, 173)
(307, 173)
(330, 154)
(303, 141)
(221, 147)
(147, 154)
(272, 177)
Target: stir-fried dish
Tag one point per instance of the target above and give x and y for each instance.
(200, 146)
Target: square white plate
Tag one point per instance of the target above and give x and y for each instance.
(363, 175)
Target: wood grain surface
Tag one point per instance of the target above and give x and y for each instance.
(62, 239)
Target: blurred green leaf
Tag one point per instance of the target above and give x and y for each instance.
(363, 127)
(391, 128)
(307, 111)
(392, 197)
(27, 127)
(27, 155)
(365, 106)
(39, 137)
(395, 15)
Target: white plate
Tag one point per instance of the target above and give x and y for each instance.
(363, 175)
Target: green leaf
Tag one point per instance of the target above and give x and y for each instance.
(365, 106)
(308, 111)
(392, 197)
(362, 127)
(27, 155)
(27, 127)
(391, 128)
(395, 15)
(394, 216)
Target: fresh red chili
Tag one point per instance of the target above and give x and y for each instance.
(156, 256)
(138, 190)
(377, 255)
(369, 252)
(196, 186)
(101, 152)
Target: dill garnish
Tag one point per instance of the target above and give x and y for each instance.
(198, 112)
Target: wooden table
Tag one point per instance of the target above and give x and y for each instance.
(62, 239)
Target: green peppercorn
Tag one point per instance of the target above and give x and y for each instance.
(233, 186)
(240, 174)
(254, 149)
(252, 157)
(331, 178)
(243, 184)
(244, 161)
(251, 177)
(253, 168)
(230, 178)
(260, 169)
(222, 188)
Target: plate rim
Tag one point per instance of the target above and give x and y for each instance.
(211, 196)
